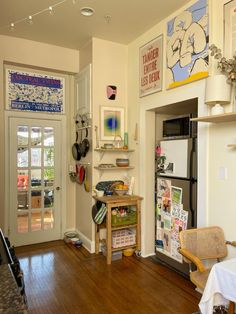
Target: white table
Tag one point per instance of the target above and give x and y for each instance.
(220, 287)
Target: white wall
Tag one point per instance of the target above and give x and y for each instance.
(221, 192)
(40, 56)
(141, 109)
(109, 67)
(215, 196)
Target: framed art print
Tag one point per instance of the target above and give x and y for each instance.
(29, 91)
(112, 122)
(150, 67)
(187, 45)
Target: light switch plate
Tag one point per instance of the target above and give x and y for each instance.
(223, 173)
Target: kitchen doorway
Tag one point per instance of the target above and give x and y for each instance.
(34, 180)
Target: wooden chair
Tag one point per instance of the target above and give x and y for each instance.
(201, 244)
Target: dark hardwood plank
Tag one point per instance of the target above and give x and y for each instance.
(61, 278)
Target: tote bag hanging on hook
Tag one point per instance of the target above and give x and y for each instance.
(100, 214)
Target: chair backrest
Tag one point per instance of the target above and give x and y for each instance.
(205, 243)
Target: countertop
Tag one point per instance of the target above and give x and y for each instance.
(11, 301)
(117, 198)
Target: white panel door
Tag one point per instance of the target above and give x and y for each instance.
(35, 180)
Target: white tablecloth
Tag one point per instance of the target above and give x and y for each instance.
(220, 287)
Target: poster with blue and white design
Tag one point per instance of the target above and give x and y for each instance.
(187, 46)
(28, 91)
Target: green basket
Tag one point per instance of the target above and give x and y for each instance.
(129, 219)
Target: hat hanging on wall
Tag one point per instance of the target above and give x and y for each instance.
(111, 92)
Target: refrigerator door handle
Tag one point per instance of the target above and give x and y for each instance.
(192, 182)
(191, 203)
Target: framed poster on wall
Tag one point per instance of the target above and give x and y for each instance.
(187, 45)
(150, 67)
(29, 91)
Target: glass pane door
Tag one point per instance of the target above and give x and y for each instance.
(35, 165)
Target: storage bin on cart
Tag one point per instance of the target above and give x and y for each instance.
(128, 219)
(124, 237)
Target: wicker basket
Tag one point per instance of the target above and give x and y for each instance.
(123, 237)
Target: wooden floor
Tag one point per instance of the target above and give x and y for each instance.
(62, 279)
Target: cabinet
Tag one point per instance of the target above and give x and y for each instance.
(114, 202)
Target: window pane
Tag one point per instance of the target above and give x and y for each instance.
(36, 199)
(22, 157)
(22, 135)
(22, 200)
(36, 136)
(48, 137)
(22, 179)
(22, 222)
(36, 157)
(48, 198)
(48, 157)
(48, 219)
(35, 177)
(36, 221)
(49, 176)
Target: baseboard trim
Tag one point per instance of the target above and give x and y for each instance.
(148, 255)
(87, 243)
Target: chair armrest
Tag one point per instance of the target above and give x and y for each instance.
(233, 243)
(194, 259)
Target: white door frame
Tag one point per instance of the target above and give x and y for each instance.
(40, 116)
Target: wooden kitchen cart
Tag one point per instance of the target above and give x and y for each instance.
(115, 201)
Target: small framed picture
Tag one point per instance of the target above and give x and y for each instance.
(112, 122)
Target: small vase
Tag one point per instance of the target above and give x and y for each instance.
(217, 109)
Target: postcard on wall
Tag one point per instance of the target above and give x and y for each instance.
(150, 67)
(176, 194)
(187, 45)
(163, 188)
(34, 92)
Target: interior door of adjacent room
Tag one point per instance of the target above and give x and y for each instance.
(35, 180)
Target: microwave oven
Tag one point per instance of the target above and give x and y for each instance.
(179, 127)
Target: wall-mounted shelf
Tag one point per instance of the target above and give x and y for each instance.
(110, 150)
(113, 168)
(219, 118)
(102, 151)
(102, 169)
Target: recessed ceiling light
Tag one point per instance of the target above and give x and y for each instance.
(86, 11)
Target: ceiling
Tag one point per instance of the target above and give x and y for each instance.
(119, 21)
